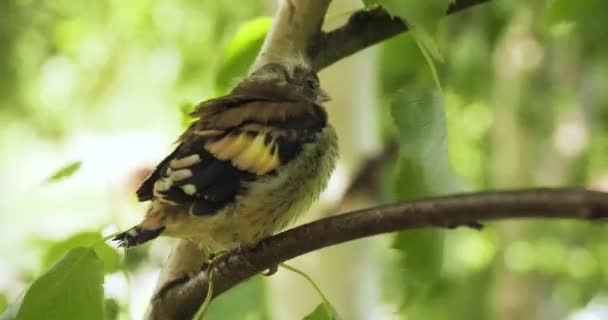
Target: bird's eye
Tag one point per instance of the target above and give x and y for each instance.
(312, 84)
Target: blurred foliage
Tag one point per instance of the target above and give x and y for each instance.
(524, 107)
(103, 67)
(65, 171)
(3, 303)
(241, 52)
(111, 309)
(588, 16)
(524, 102)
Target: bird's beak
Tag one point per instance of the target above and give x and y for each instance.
(323, 96)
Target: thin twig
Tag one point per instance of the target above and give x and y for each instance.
(180, 302)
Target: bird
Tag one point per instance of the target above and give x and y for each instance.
(248, 165)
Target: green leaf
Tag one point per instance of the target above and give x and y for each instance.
(422, 17)
(323, 311)
(64, 172)
(423, 170)
(418, 115)
(71, 289)
(419, 263)
(89, 239)
(241, 52)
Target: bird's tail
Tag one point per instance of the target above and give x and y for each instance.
(136, 236)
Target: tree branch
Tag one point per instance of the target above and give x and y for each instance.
(364, 29)
(181, 302)
(294, 27)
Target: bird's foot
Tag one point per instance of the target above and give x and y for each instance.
(272, 270)
(224, 262)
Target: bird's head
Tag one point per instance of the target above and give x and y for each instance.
(291, 81)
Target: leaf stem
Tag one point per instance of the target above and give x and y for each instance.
(429, 60)
(309, 279)
(200, 313)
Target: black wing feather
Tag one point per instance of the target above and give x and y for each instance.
(146, 190)
(217, 182)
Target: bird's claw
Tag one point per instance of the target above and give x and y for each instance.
(272, 270)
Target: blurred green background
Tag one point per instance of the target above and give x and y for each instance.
(103, 87)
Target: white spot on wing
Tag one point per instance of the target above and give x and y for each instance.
(162, 185)
(185, 162)
(189, 189)
(181, 174)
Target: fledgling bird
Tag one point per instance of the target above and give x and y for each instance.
(250, 163)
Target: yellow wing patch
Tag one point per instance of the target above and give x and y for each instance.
(247, 152)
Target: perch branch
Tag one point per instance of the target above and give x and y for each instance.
(180, 302)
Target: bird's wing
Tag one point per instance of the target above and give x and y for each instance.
(230, 143)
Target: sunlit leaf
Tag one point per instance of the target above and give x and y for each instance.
(71, 290)
(64, 172)
(241, 52)
(89, 239)
(323, 311)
